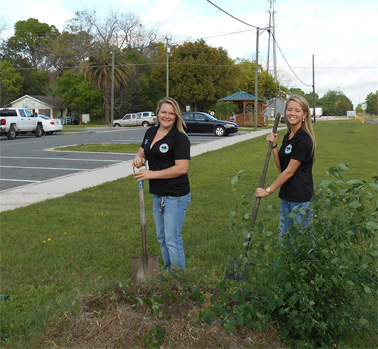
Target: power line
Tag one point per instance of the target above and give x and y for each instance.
(217, 36)
(274, 38)
(228, 14)
(269, 30)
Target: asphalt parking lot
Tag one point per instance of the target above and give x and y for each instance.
(28, 159)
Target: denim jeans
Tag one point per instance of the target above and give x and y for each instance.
(288, 207)
(168, 228)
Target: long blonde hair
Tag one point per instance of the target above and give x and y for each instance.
(307, 122)
(180, 122)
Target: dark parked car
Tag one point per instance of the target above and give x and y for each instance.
(199, 122)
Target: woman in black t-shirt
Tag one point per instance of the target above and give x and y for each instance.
(166, 147)
(294, 160)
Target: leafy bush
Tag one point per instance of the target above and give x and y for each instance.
(321, 285)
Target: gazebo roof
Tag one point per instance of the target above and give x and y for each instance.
(240, 96)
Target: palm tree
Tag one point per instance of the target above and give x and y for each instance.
(98, 70)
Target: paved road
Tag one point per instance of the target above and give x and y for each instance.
(28, 159)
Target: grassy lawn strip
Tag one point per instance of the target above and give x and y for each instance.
(60, 252)
(105, 147)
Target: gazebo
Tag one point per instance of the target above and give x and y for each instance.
(246, 109)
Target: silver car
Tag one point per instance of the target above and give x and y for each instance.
(145, 118)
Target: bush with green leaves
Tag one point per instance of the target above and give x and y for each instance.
(319, 284)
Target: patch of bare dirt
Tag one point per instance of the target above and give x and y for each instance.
(127, 320)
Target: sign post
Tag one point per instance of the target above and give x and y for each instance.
(363, 106)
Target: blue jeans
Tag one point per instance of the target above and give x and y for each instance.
(288, 207)
(168, 228)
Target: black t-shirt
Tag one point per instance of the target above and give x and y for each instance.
(300, 187)
(162, 155)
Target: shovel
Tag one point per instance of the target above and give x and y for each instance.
(234, 272)
(144, 268)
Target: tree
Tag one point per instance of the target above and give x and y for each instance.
(372, 103)
(10, 83)
(141, 92)
(98, 70)
(309, 98)
(36, 82)
(296, 91)
(33, 41)
(359, 108)
(335, 103)
(224, 109)
(268, 88)
(3, 26)
(69, 50)
(78, 94)
(121, 30)
(198, 74)
(29, 51)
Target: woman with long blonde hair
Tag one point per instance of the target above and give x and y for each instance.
(166, 147)
(294, 160)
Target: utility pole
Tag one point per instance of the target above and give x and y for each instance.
(271, 36)
(274, 47)
(313, 87)
(272, 33)
(167, 75)
(112, 92)
(256, 77)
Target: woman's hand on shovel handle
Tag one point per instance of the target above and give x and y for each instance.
(261, 193)
(143, 174)
(272, 137)
(138, 161)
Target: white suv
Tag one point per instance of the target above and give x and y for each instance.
(145, 118)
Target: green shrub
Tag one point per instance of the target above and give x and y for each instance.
(321, 285)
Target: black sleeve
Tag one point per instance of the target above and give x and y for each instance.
(182, 147)
(302, 150)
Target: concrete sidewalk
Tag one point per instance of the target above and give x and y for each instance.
(49, 189)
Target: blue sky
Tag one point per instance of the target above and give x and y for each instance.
(341, 34)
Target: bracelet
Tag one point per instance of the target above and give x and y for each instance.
(274, 146)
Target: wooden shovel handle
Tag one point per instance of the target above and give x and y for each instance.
(263, 176)
(142, 218)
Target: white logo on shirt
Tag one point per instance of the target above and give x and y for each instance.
(288, 149)
(164, 148)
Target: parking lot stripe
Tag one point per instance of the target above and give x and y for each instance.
(19, 180)
(67, 159)
(49, 168)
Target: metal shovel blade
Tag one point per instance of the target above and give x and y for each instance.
(144, 270)
(237, 272)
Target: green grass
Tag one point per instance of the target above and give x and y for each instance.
(56, 251)
(106, 147)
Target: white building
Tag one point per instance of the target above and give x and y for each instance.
(42, 105)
